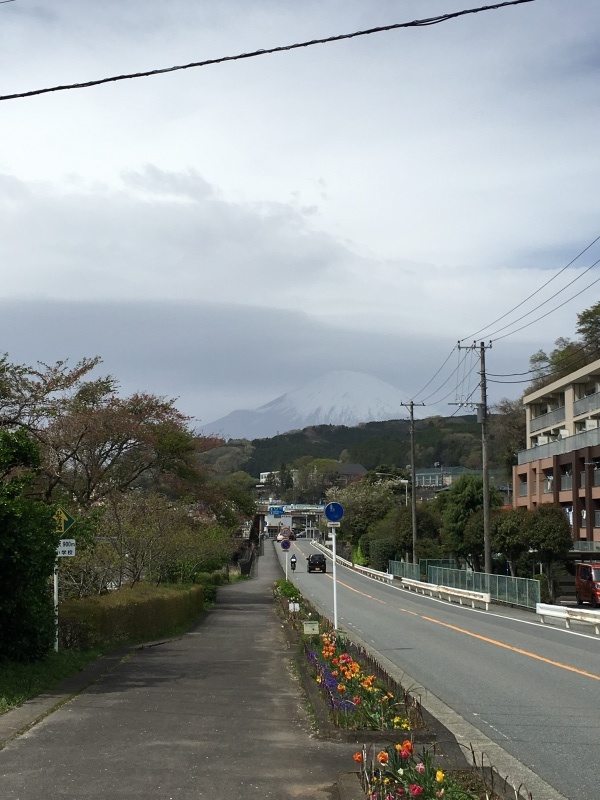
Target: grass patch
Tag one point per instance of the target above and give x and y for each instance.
(20, 682)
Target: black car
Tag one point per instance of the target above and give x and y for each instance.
(316, 562)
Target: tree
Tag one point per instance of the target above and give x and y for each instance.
(31, 396)
(100, 443)
(588, 327)
(313, 476)
(566, 357)
(508, 535)
(28, 544)
(461, 502)
(548, 534)
(146, 537)
(508, 432)
(364, 503)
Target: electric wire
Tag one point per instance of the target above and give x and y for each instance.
(441, 386)
(418, 23)
(582, 362)
(537, 291)
(533, 310)
(547, 314)
(436, 373)
(566, 357)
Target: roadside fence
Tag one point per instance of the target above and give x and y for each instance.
(502, 588)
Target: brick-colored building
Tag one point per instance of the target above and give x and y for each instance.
(562, 461)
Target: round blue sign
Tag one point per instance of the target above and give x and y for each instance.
(334, 512)
(286, 544)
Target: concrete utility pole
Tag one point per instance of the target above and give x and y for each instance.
(413, 478)
(482, 418)
(485, 466)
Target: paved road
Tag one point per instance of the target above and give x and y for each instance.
(530, 689)
(214, 714)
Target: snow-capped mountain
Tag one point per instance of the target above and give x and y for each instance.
(338, 398)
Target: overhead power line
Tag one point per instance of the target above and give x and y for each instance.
(545, 302)
(417, 23)
(533, 294)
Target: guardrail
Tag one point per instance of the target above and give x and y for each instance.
(587, 615)
(386, 577)
(448, 591)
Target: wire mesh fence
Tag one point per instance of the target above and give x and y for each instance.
(403, 569)
(502, 588)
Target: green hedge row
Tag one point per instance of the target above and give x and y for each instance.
(129, 614)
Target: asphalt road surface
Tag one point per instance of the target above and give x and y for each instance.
(533, 689)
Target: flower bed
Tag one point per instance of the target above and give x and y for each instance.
(357, 699)
(398, 773)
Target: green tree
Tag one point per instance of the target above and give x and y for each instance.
(313, 477)
(508, 432)
(508, 535)
(548, 534)
(588, 327)
(364, 503)
(28, 543)
(461, 502)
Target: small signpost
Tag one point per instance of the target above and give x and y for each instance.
(334, 513)
(285, 546)
(63, 520)
(66, 548)
(311, 627)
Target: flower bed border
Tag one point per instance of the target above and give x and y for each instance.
(435, 735)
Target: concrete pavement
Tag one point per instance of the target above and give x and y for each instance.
(215, 713)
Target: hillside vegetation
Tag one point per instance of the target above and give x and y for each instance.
(452, 441)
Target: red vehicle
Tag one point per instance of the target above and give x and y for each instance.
(587, 584)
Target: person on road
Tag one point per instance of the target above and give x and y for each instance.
(293, 562)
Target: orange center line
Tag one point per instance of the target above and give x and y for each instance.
(505, 646)
(352, 589)
(481, 638)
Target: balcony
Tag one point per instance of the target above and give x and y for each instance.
(586, 404)
(549, 420)
(566, 483)
(560, 446)
(523, 489)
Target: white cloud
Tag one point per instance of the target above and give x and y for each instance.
(368, 202)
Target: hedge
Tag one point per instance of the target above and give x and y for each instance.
(129, 614)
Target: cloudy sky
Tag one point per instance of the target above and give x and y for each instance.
(223, 234)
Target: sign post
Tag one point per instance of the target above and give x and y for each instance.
(285, 546)
(334, 513)
(66, 548)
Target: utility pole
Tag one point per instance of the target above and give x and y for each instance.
(485, 466)
(413, 478)
(482, 418)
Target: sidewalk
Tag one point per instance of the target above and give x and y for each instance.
(216, 713)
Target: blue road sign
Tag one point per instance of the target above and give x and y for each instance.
(286, 544)
(334, 512)
(276, 511)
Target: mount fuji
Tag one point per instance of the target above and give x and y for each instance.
(338, 398)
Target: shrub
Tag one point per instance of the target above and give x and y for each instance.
(129, 614)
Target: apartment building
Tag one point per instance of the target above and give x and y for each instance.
(562, 461)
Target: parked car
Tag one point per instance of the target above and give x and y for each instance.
(316, 562)
(587, 584)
